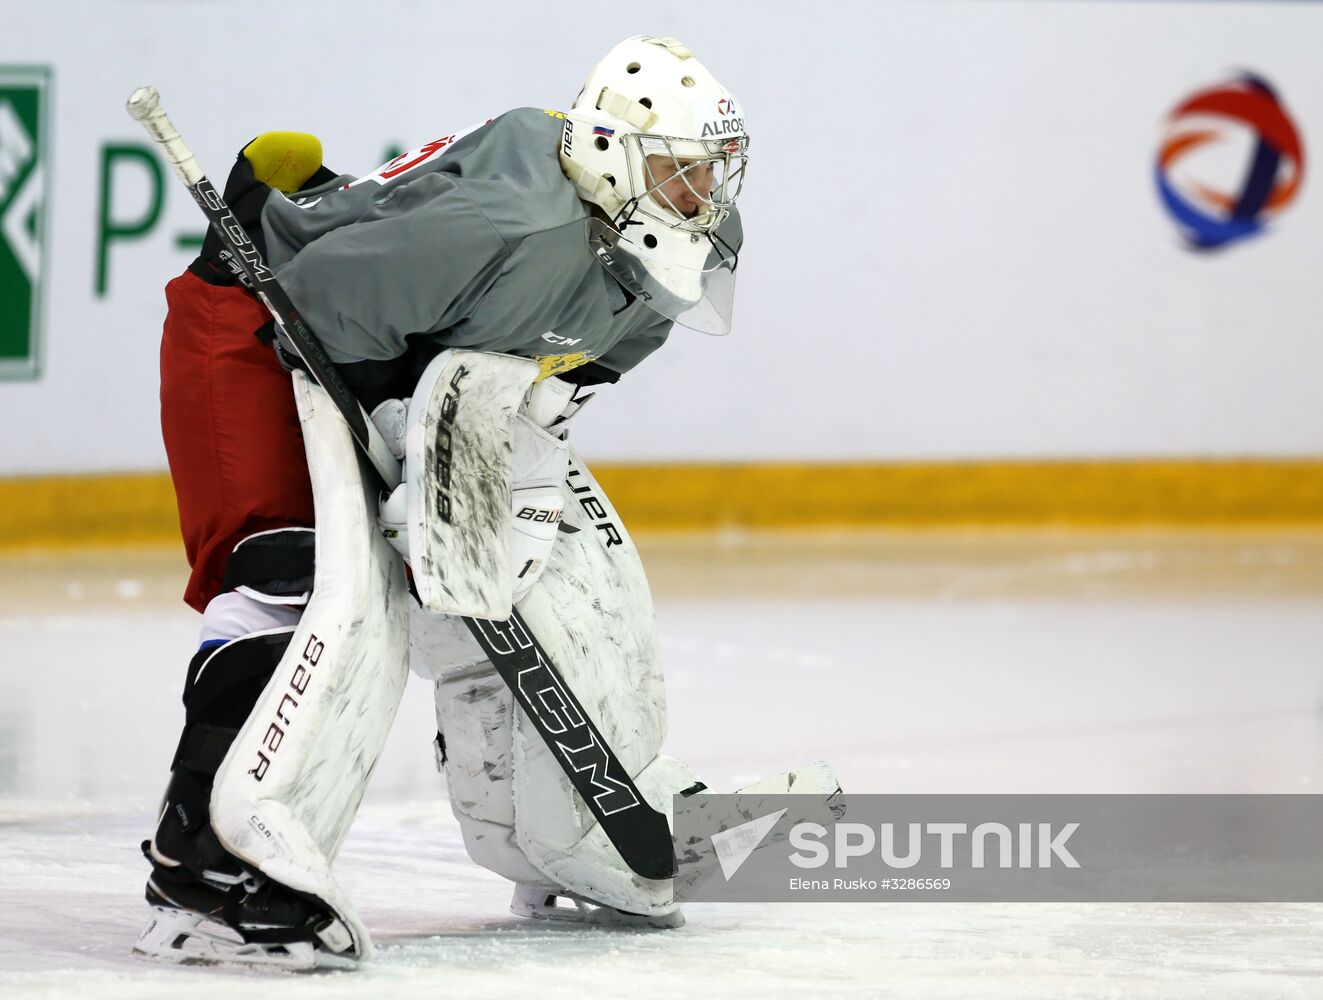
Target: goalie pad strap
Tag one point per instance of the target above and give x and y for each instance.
(187, 799)
(275, 564)
(203, 746)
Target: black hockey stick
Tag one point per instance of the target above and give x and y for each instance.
(640, 833)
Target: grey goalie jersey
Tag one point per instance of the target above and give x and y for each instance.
(473, 240)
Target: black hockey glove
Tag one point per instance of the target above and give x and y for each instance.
(245, 195)
(287, 161)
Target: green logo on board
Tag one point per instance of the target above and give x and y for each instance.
(24, 180)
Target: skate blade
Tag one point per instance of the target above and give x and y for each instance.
(565, 908)
(183, 938)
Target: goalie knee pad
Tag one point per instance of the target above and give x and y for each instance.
(245, 630)
(229, 616)
(274, 567)
(267, 582)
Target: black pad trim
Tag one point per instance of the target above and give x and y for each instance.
(211, 274)
(223, 685)
(215, 673)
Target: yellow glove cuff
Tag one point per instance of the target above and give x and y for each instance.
(284, 160)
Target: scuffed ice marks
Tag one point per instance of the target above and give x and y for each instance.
(67, 865)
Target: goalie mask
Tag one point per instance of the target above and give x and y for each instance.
(656, 143)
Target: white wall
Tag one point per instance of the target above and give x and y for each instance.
(955, 247)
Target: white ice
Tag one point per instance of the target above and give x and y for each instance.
(1015, 662)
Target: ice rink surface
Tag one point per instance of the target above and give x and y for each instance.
(917, 662)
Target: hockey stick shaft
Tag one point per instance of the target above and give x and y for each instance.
(639, 832)
(144, 105)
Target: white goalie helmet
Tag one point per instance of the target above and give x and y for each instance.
(656, 143)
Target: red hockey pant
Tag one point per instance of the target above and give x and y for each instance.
(231, 429)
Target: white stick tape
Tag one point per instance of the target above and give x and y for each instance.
(144, 104)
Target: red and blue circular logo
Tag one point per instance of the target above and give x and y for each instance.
(1231, 160)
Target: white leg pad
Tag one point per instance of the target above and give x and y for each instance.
(592, 612)
(590, 866)
(291, 783)
(520, 816)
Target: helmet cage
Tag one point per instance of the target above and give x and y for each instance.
(727, 158)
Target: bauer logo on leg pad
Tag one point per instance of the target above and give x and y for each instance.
(298, 684)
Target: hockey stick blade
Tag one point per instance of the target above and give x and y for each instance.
(144, 105)
(639, 832)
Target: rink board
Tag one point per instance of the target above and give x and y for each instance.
(133, 508)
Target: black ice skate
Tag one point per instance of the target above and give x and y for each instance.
(251, 922)
(206, 905)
